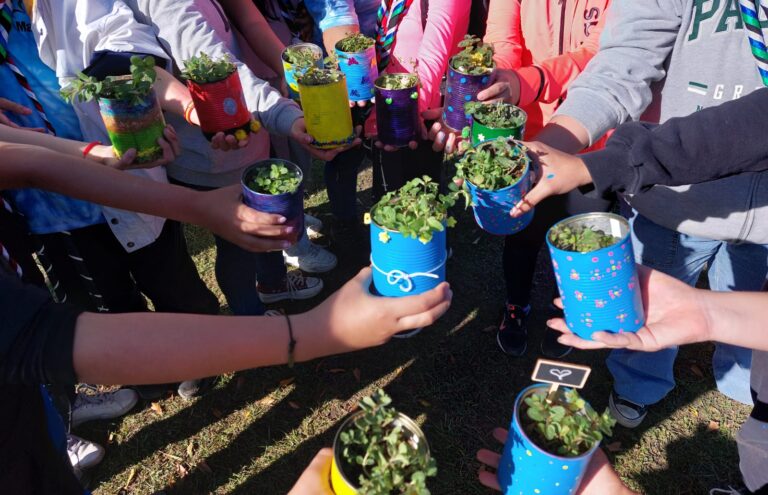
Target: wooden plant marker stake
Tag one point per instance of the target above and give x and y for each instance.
(557, 373)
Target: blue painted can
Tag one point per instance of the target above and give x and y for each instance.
(403, 266)
(291, 71)
(527, 468)
(600, 289)
(459, 90)
(491, 208)
(290, 205)
(361, 71)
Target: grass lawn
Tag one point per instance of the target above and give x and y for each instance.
(258, 429)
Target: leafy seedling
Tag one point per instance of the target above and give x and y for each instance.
(493, 165)
(475, 58)
(301, 56)
(355, 43)
(580, 238)
(383, 453)
(497, 115)
(319, 77)
(565, 424)
(132, 88)
(274, 179)
(203, 69)
(398, 81)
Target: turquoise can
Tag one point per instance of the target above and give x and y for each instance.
(403, 266)
(291, 71)
(527, 468)
(599, 289)
(361, 71)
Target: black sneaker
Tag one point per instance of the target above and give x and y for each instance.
(550, 347)
(512, 336)
(627, 413)
(730, 490)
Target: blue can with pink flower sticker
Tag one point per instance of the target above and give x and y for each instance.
(461, 89)
(361, 71)
(527, 469)
(599, 289)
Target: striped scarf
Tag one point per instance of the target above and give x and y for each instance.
(750, 15)
(390, 14)
(6, 22)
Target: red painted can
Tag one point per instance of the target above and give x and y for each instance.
(220, 105)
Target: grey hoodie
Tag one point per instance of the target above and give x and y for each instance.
(668, 58)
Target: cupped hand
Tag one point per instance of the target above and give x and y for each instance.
(675, 314)
(558, 173)
(169, 144)
(357, 319)
(299, 134)
(505, 86)
(228, 142)
(224, 213)
(443, 138)
(315, 480)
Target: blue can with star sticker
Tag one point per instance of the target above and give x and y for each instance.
(397, 108)
(361, 71)
(526, 467)
(461, 88)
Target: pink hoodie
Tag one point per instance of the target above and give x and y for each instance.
(557, 36)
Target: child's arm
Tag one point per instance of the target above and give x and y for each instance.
(503, 31)
(256, 30)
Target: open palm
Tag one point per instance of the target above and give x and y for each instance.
(675, 315)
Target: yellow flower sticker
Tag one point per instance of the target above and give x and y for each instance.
(384, 237)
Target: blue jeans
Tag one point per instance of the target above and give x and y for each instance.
(645, 378)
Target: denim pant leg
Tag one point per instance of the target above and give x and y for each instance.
(736, 267)
(341, 181)
(646, 377)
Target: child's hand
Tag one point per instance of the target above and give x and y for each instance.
(315, 480)
(443, 138)
(169, 144)
(505, 86)
(299, 134)
(228, 142)
(559, 173)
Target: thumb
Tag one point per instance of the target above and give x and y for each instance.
(126, 160)
(534, 197)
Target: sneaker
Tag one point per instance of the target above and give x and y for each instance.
(102, 406)
(742, 490)
(512, 336)
(190, 389)
(627, 413)
(310, 259)
(82, 453)
(313, 225)
(294, 286)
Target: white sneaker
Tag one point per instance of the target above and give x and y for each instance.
(82, 453)
(102, 406)
(313, 225)
(310, 258)
(294, 286)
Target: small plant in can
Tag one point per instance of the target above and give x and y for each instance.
(493, 165)
(355, 43)
(203, 69)
(580, 238)
(497, 115)
(475, 58)
(274, 179)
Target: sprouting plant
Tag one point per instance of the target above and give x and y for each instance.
(275, 179)
(566, 424)
(416, 210)
(475, 58)
(384, 452)
(398, 81)
(580, 238)
(319, 77)
(204, 69)
(355, 43)
(301, 56)
(133, 87)
(497, 115)
(493, 165)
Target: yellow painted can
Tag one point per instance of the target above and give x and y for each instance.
(338, 483)
(327, 114)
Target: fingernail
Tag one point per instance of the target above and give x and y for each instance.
(281, 220)
(289, 230)
(285, 244)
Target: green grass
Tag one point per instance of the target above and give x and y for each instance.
(258, 429)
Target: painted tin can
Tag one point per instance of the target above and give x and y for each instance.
(361, 71)
(460, 89)
(403, 266)
(481, 132)
(340, 482)
(600, 289)
(397, 114)
(491, 208)
(134, 125)
(291, 71)
(327, 114)
(221, 105)
(290, 205)
(527, 468)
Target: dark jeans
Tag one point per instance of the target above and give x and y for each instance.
(522, 249)
(237, 271)
(163, 271)
(393, 169)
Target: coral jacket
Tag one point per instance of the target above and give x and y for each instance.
(548, 42)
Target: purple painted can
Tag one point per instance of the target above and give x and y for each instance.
(460, 89)
(600, 289)
(397, 113)
(290, 205)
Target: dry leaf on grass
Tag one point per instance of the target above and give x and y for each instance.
(713, 426)
(356, 372)
(267, 401)
(131, 475)
(613, 447)
(183, 471)
(217, 413)
(336, 370)
(157, 408)
(294, 405)
(287, 381)
(489, 329)
(424, 403)
(204, 467)
(190, 449)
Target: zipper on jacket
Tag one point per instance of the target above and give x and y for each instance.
(561, 45)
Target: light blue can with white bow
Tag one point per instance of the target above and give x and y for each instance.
(404, 266)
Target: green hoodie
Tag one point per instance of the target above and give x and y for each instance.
(660, 59)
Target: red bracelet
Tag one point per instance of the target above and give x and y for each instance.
(90, 146)
(188, 111)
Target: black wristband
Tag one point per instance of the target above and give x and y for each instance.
(291, 342)
(541, 82)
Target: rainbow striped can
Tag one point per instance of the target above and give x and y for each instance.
(134, 124)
